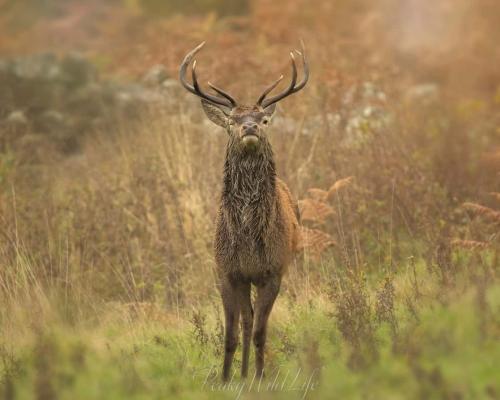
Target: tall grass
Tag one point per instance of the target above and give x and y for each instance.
(107, 284)
(115, 243)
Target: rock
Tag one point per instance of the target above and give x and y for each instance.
(51, 121)
(171, 84)
(426, 93)
(127, 101)
(17, 118)
(285, 124)
(77, 71)
(171, 87)
(155, 76)
(37, 67)
(124, 98)
(66, 98)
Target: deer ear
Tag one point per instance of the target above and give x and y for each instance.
(214, 113)
(270, 110)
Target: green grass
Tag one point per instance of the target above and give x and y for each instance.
(447, 348)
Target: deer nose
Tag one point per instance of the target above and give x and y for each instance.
(249, 128)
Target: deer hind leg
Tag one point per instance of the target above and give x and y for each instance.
(247, 323)
(266, 295)
(230, 302)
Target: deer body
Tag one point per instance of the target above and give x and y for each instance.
(257, 230)
(257, 226)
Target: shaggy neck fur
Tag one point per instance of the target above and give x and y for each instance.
(249, 189)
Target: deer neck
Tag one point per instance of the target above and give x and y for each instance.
(249, 188)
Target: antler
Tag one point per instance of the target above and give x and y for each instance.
(226, 101)
(292, 88)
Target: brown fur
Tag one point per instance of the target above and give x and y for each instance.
(257, 226)
(257, 232)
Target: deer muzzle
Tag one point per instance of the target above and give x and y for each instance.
(249, 134)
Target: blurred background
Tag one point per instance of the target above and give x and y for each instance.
(110, 177)
(82, 61)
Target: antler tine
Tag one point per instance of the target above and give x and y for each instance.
(184, 65)
(305, 67)
(224, 94)
(290, 87)
(269, 89)
(194, 78)
(228, 101)
(260, 102)
(293, 87)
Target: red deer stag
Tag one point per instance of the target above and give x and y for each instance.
(257, 226)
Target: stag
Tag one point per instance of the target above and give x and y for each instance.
(257, 228)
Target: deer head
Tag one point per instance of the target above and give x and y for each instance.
(246, 123)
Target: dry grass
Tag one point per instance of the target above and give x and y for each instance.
(119, 234)
(486, 212)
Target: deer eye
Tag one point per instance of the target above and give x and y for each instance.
(265, 121)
